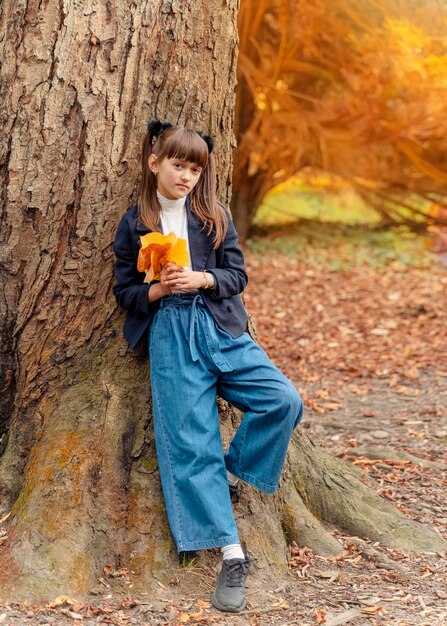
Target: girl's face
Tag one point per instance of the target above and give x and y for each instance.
(175, 178)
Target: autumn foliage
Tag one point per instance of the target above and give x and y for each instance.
(357, 89)
(157, 250)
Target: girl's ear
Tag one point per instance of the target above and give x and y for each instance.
(152, 163)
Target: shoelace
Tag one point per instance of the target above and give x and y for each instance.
(235, 574)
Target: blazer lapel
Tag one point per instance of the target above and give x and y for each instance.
(200, 243)
(141, 228)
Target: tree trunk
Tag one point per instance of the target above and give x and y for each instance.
(78, 87)
(247, 195)
(78, 471)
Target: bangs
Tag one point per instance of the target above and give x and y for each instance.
(186, 145)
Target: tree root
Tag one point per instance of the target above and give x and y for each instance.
(387, 453)
(382, 560)
(300, 525)
(335, 495)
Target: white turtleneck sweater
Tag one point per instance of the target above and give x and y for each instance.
(173, 220)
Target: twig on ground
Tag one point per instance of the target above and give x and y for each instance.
(343, 618)
(382, 560)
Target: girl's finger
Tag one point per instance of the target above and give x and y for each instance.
(173, 276)
(173, 267)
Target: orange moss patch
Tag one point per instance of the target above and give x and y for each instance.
(54, 459)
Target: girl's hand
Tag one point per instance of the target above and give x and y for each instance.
(181, 279)
(166, 277)
(163, 288)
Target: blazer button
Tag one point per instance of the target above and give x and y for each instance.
(229, 308)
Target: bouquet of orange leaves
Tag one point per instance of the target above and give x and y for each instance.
(157, 250)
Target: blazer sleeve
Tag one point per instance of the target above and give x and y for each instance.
(130, 291)
(231, 276)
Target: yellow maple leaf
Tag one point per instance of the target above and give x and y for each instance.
(157, 250)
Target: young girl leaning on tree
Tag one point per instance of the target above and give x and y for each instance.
(199, 348)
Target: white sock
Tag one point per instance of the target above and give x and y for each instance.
(232, 479)
(233, 551)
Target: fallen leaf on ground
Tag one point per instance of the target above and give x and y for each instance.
(320, 616)
(61, 600)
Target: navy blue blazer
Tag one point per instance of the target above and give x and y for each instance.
(226, 263)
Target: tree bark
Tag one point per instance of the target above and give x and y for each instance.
(78, 470)
(78, 86)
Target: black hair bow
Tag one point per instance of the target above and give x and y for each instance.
(155, 128)
(208, 140)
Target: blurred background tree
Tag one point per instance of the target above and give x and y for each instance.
(357, 90)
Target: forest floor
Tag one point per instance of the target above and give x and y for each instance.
(363, 336)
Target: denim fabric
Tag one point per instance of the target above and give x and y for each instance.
(192, 360)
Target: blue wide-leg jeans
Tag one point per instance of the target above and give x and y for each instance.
(191, 361)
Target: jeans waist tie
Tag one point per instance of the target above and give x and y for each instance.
(210, 335)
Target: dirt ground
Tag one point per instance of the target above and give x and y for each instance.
(395, 402)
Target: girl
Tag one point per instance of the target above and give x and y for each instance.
(198, 349)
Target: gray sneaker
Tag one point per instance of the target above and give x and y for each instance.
(229, 594)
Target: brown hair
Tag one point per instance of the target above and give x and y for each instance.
(184, 144)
